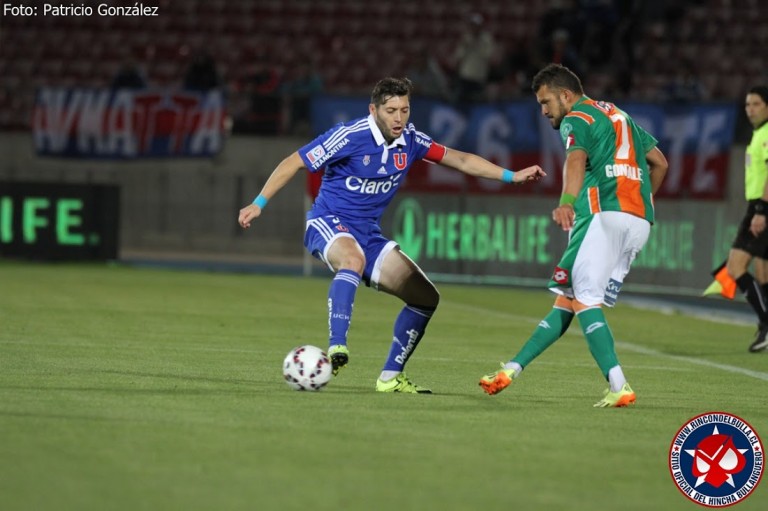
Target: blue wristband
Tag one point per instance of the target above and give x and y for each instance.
(507, 175)
(260, 201)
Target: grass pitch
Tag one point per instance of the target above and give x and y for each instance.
(133, 389)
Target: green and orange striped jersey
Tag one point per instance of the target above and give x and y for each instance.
(616, 177)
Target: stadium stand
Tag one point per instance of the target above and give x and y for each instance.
(354, 42)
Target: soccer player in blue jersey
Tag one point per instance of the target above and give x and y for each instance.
(365, 161)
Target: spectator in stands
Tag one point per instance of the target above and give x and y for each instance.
(562, 51)
(601, 19)
(517, 68)
(561, 15)
(623, 62)
(129, 76)
(473, 60)
(202, 74)
(297, 91)
(684, 86)
(262, 85)
(263, 78)
(429, 79)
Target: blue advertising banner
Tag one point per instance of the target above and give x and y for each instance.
(106, 123)
(696, 139)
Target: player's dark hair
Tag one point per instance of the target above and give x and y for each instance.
(556, 76)
(760, 90)
(389, 87)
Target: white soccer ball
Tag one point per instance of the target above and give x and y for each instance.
(307, 368)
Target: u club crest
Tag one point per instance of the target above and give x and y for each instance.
(716, 459)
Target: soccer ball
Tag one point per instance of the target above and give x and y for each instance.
(307, 368)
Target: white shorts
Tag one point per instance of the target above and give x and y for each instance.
(598, 257)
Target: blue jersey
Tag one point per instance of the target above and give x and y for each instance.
(362, 172)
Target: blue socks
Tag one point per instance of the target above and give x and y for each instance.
(409, 325)
(341, 299)
(409, 329)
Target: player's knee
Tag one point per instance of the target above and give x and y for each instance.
(579, 306)
(432, 296)
(422, 294)
(563, 302)
(353, 262)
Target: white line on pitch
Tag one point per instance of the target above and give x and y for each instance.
(630, 346)
(692, 360)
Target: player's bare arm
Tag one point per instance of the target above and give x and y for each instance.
(657, 167)
(573, 178)
(478, 166)
(283, 173)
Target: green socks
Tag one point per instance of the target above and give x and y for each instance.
(550, 329)
(599, 338)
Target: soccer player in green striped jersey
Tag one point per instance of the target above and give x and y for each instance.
(612, 170)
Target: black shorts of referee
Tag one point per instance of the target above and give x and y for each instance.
(756, 246)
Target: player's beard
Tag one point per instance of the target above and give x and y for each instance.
(386, 131)
(561, 112)
(389, 136)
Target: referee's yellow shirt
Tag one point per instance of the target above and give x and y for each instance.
(756, 163)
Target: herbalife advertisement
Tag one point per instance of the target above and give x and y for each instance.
(512, 240)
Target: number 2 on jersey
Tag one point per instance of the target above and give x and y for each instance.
(622, 152)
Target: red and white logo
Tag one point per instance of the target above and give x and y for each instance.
(401, 160)
(560, 275)
(315, 153)
(716, 459)
(570, 141)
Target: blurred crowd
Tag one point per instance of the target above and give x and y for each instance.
(272, 56)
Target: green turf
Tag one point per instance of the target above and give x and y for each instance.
(132, 389)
